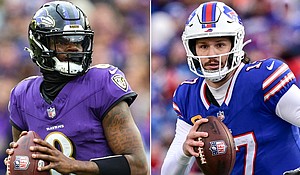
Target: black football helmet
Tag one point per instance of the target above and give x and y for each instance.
(60, 22)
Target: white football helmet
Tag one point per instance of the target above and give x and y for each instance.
(214, 19)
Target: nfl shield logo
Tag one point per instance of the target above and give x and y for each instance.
(21, 163)
(217, 147)
(51, 112)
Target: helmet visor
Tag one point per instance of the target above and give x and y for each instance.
(84, 41)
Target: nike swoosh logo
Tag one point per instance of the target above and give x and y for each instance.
(271, 66)
(113, 71)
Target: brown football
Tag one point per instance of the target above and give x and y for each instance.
(217, 157)
(21, 162)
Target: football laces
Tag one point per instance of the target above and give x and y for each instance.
(201, 153)
(8, 165)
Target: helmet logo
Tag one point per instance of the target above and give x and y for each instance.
(191, 17)
(45, 21)
(232, 14)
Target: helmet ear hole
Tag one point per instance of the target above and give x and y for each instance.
(192, 46)
(233, 42)
(196, 63)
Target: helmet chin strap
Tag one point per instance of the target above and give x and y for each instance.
(217, 78)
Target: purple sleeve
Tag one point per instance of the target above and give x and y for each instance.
(115, 89)
(15, 115)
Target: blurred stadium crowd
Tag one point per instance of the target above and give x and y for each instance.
(122, 37)
(272, 25)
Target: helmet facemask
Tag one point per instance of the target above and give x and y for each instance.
(234, 58)
(69, 62)
(196, 66)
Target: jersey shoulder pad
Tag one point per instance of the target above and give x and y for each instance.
(103, 71)
(26, 84)
(103, 68)
(267, 69)
(186, 86)
(109, 76)
(267, 65)
(273, 75)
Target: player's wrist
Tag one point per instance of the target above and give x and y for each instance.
(185, 153)
(84, 167)
(182, 157)
(113, 165)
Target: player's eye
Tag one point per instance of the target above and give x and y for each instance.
(62, 41)
(202, 46)
(220, 45)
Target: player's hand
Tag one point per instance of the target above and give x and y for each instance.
(12, 145)
(192, 139)
(49, 153)
(10, 151)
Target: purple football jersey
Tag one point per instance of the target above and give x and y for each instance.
(73, 122)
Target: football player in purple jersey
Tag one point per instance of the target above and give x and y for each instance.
(259, 101)
(81, 112)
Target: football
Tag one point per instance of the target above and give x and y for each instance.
(21, 162)
(217, 157)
